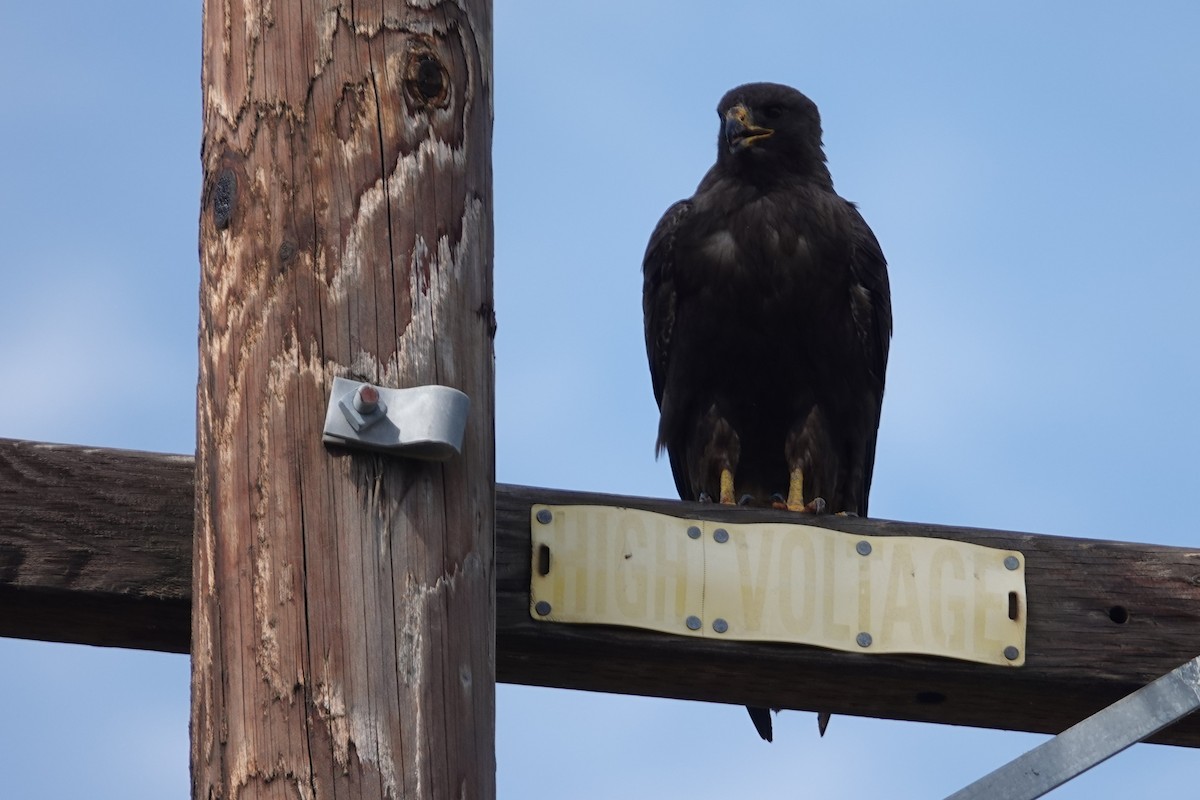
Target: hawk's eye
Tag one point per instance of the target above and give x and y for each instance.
(773, 111)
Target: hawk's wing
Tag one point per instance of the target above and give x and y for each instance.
(873, 319)
(659, 303)
(659, 295)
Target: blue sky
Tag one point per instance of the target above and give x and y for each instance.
(1030, 169)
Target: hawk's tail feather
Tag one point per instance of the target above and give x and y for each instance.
(761, 717)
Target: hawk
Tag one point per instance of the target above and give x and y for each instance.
(768, 318)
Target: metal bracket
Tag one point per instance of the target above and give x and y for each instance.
(1102, 735)
(424, 422)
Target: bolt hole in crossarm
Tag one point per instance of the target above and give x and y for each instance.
(1119, 614)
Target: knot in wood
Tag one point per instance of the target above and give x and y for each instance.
(286, 253)
(426, 81)
(224, 198)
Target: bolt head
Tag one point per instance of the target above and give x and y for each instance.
(693, 532)
(1011, 562)
(721, 535)
(544, 516)
(542, 608)
(366, 400)
(863, 639)
(693, 623)
(1011, 653)
(863, 548)
(720, 625)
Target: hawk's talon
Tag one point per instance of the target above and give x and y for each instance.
(745, 500)
(816, 506)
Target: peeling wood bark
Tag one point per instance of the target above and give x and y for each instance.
(342, 639)
(130, 513)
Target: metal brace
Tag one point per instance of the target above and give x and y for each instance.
(1102, 735)
(425, 422)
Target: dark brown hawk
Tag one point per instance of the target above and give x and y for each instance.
(768, 319)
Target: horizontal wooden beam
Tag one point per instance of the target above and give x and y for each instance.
(95, 547)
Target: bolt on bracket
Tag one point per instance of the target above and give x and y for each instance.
(425, 422)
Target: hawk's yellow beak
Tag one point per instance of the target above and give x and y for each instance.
(740, 130)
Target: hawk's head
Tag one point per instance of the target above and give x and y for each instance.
(769, 127)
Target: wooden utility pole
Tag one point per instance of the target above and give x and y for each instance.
(343, 620)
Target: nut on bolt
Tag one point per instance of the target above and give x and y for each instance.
(366, 400)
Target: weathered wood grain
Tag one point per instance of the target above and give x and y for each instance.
(342, 639)
(95, 546)
(131, 513)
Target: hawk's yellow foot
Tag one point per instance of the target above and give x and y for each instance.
(795, 498)
(727, 487)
